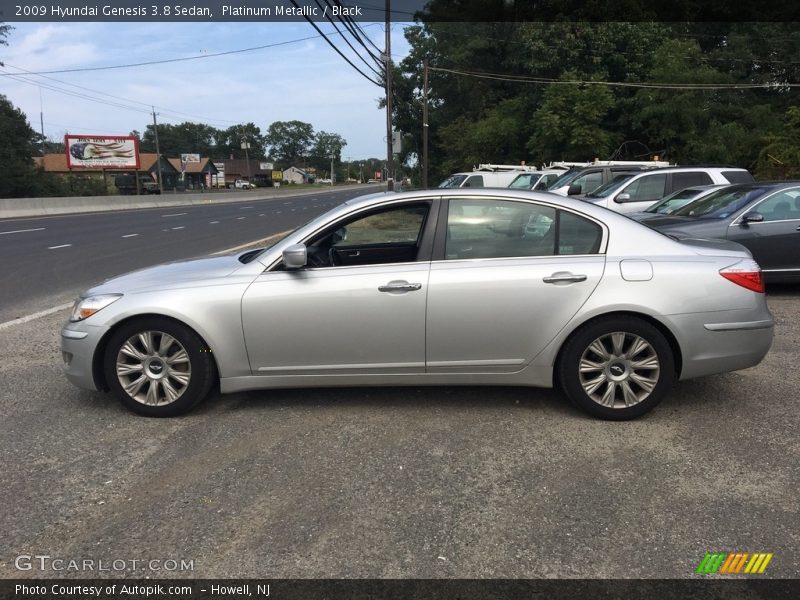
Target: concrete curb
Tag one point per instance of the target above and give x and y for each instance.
(39, 207)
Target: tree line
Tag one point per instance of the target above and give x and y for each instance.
(511, 91)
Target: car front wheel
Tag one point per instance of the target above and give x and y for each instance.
(617, 368)
(158, 367)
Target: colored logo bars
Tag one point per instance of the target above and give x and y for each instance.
(734, 563)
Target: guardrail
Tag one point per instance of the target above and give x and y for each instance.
(37, 207)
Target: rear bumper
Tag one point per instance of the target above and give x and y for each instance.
(712, 343)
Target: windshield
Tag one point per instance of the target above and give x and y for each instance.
(610, 187)
(453, 181)
(524, 181)
(565, 179)
(721, 204)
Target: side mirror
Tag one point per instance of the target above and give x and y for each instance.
(295, 256)
(574, 189)
(752, 217)
(622, 198)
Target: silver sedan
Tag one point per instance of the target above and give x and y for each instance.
(441, 287)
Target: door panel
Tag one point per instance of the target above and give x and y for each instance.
(336, 320)
(775, 245)
(497, 314)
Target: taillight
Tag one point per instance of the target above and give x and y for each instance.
(747, 274)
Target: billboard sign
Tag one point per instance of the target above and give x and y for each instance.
(277, 175)
(266, 166)
(102, 151)
(190, 158)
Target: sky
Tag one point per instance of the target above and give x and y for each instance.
(305, 81)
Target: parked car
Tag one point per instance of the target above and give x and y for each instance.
(582, 180)
(675, 200)
(243, 184)
(430, 288)
(763, 217)
(642, 190)
(535, 180)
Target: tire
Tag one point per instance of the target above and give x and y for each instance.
(166, 368)
(628, 368)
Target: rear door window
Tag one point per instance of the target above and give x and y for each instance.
(684, 180)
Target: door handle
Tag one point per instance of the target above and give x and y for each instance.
(399, 286)
(564, 277)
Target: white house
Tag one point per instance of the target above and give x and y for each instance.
(295, 175)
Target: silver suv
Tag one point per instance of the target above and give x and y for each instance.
(638, 191)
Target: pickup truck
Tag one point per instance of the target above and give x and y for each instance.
(243, 184)
(126, 184)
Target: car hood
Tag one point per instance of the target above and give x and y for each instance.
(170, 274)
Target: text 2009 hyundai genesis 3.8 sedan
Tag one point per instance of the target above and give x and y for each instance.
(441, 287)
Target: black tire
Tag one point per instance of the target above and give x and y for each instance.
(197, 366)
(628, 386)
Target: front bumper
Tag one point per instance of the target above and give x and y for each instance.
(79, 343)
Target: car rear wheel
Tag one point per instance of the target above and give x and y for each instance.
(617, 368)
(158, 367)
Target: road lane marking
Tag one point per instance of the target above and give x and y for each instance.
(174, 215)
(254, 242)
(22, 230)
(130, 235)
(61, 246)
(181, 227)
(36, 315)
(55, 309)
(213, 222)
(244, 207)
(240, 218)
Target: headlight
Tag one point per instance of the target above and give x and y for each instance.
(86, 307)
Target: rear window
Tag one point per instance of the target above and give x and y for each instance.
(524, 181)
(738, 176)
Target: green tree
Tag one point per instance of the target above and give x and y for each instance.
(289, 141)
(326, 145)
(16, 151)
(187, 137)
(230, 142)
(780, 157)
(568, 123)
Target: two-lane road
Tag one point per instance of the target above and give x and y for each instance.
(45, 261)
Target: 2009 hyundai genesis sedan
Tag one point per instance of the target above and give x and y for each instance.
(437, 287)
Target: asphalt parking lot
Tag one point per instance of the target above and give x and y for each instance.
(400, 482)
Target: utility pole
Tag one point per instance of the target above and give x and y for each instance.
(389, 165)
(425, 123)
(331, 170)
(245, 147)
(41, 119)
(158, 155)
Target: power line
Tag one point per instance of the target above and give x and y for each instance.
(332, 45)
(346, 41)
(174, 60)
(662, 86)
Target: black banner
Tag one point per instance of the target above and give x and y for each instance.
(400, 10)
(422, 589)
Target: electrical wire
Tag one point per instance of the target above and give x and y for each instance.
(661, 86)
(332, 45)
(346, 41)
(182, 59)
